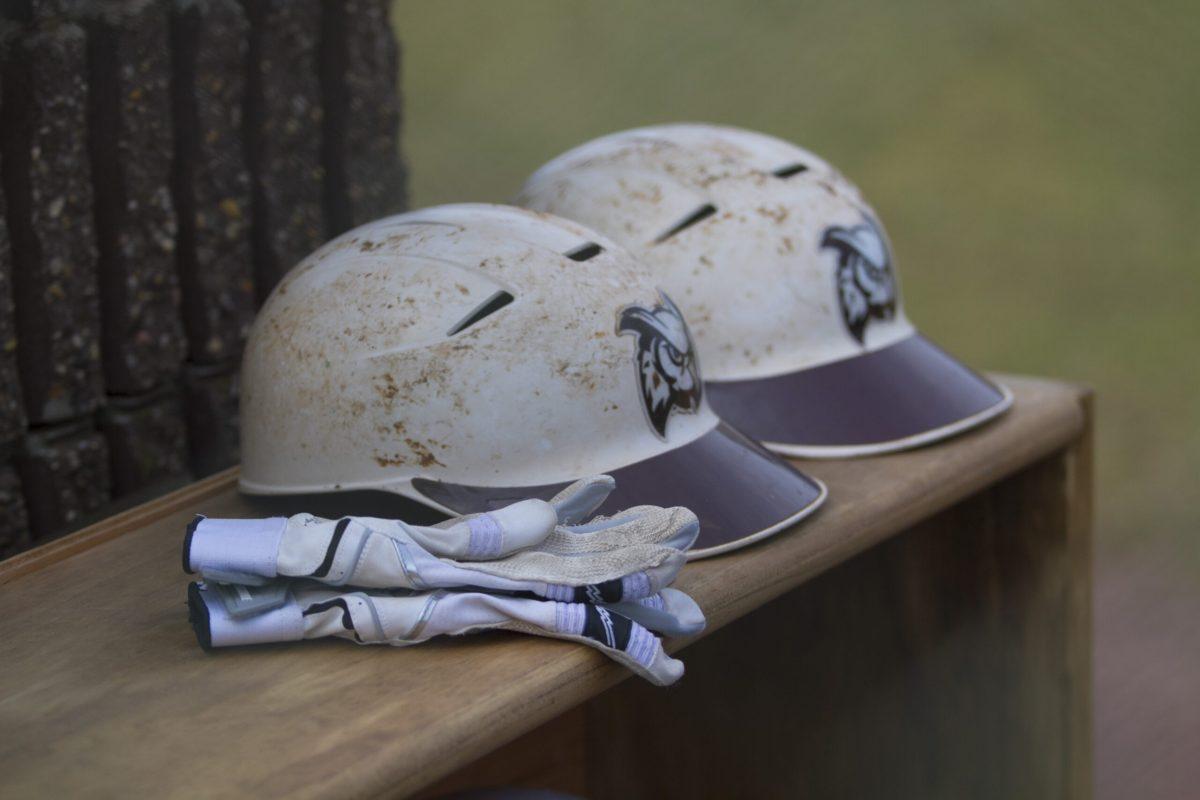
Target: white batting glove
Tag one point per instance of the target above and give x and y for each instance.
(224, 616)
(530, 545)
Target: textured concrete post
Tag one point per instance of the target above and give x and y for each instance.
(65, 474)
(146, 439)
(284, 118)
(162, 164)
(14, 524)
(211, 400)
(360, 62)
(47, 182)
(212, 183)
(131, 142)
(213, 187)
(12, 413)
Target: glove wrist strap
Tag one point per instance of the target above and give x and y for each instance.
(216, 627)
(234, 545)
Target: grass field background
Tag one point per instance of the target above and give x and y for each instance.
(1035, 164)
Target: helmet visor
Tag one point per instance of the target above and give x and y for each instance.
(903, 395)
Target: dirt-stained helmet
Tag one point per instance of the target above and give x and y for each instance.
(786, 278)
(468, 356)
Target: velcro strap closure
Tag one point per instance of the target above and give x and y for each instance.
(282, 624)
(236, 545)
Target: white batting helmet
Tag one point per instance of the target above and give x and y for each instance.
(786, 278)
(467, 356)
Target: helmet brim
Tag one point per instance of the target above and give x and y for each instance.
(739, 491)
(905, 395)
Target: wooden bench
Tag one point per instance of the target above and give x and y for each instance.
(926, 634)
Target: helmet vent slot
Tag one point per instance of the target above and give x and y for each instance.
(790, 170)
(584, 252)
(490, 306)
(699, 215)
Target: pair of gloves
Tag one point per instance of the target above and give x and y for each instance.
(533, 567)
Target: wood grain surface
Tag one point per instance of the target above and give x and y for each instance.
(104, 692)
(936, 665)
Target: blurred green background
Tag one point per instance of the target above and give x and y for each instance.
(1036, 165)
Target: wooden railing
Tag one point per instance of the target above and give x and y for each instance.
(925, 634)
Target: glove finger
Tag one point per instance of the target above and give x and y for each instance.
(617, 636)
(659, 563)
(630, 587)
(670, 612)
(600, 523)
(614, 635)
(581, 499)
(367, 558)
(675, 528)
(499, 533)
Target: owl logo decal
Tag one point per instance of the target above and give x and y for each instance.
(866, 286)
(666, 361)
